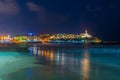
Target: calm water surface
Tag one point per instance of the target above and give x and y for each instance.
(73, 62)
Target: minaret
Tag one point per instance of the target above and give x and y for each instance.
(86, 32)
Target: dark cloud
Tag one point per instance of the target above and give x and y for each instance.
(46, 18)
(9, 7)
(34, 7)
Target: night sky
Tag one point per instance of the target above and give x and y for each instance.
(100, 17)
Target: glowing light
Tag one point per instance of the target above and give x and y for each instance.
(85, 66)
(34, 50)
(30, 34)
(86, 35)
(97, 40)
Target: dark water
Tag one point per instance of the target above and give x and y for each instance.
(71, 62)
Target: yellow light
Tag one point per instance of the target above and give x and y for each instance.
(85, 66)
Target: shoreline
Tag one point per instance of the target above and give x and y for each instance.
(26, 45)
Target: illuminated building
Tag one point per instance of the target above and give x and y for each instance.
(5, 38)
(24, 38)
(97, 40)
(52, 38)
(85, 35)
(73, 38)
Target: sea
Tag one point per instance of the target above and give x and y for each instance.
(61, 62)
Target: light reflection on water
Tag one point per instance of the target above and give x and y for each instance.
(68, 63)
(84, 62)
(85, 68)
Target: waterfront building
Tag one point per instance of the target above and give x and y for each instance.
(51, 38)
(86, 35)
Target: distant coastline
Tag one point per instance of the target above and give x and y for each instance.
(9, 46)
(111, 42)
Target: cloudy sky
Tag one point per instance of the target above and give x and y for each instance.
(100, 17)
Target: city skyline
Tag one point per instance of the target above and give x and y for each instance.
(61, 16)
(82, 38)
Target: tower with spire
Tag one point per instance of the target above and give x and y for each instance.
(86, 35)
